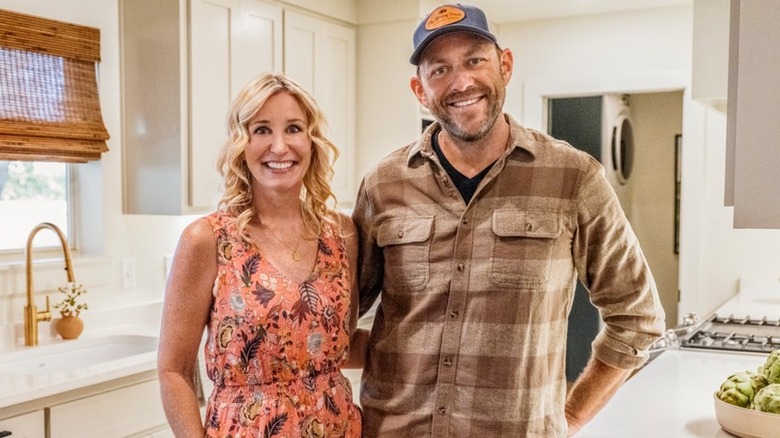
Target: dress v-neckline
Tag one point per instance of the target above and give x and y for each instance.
(312, 275)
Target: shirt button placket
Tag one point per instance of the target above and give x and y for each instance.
(445, 391)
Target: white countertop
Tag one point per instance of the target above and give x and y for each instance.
(671, 397)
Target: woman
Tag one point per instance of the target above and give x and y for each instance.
(272, 275)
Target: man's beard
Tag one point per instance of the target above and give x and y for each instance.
(496, 102)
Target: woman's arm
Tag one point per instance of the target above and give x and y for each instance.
(358, 339)
(185, 314)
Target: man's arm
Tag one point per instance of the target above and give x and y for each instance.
(370, 262)
(591, 392)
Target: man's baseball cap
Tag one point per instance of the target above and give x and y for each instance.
(449, 18)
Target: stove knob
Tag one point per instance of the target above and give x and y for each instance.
(690, 319)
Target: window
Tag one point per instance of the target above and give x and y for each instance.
(49, 115)
(32, 192)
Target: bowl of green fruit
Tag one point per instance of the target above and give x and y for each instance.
(747, 404)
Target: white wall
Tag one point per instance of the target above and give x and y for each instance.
(388, 115)
(725, 254)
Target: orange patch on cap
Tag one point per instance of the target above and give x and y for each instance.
(444, 16)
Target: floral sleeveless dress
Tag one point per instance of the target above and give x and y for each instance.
(275, 347)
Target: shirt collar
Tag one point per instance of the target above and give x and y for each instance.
(520, 137)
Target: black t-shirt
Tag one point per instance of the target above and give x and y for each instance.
(466, 186)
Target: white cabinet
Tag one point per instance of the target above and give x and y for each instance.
(710, 58)
(134, 410)
(753, 104)
(182, 63)
(31, 425)
(320, 55)
(231, 42)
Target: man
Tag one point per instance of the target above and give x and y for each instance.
(475, 236)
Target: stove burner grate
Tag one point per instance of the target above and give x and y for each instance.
(736, 334)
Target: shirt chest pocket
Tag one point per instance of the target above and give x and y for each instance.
(523, 247)
(406, 244)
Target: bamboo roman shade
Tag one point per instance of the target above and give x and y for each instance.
(49, 103)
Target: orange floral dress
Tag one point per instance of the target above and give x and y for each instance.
(275, 348)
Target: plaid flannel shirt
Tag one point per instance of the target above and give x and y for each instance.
(469, 337)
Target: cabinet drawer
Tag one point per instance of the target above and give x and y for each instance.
(122, 412)
(30, 425)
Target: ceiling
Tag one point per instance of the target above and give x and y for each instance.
(508, 11)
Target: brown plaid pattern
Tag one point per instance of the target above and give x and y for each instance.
(469, 338)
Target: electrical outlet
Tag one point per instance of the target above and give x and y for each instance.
(128, 274)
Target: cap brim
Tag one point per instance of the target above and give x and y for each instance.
(417, 54)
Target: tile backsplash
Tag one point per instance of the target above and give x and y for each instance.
(109, 304)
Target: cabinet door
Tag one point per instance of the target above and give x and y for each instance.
(260, 42)
(154, 111)
(122, 412)
(231, 41)
(214, 25)
(30, 425)
(320, 55)
(753, 105)
(182, 63)
(710, 56)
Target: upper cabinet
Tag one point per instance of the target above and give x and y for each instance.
(231, 42)
(320, 55)
(710, 58)
(183, 61)
(752, 161)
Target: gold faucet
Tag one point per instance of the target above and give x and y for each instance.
(31, 314)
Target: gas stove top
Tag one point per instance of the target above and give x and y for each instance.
(737, 334)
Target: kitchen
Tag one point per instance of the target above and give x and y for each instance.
(613, 51)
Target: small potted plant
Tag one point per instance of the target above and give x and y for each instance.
(70, 326)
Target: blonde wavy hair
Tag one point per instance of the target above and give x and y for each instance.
(231, 162)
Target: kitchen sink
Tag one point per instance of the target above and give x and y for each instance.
(78, 354)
